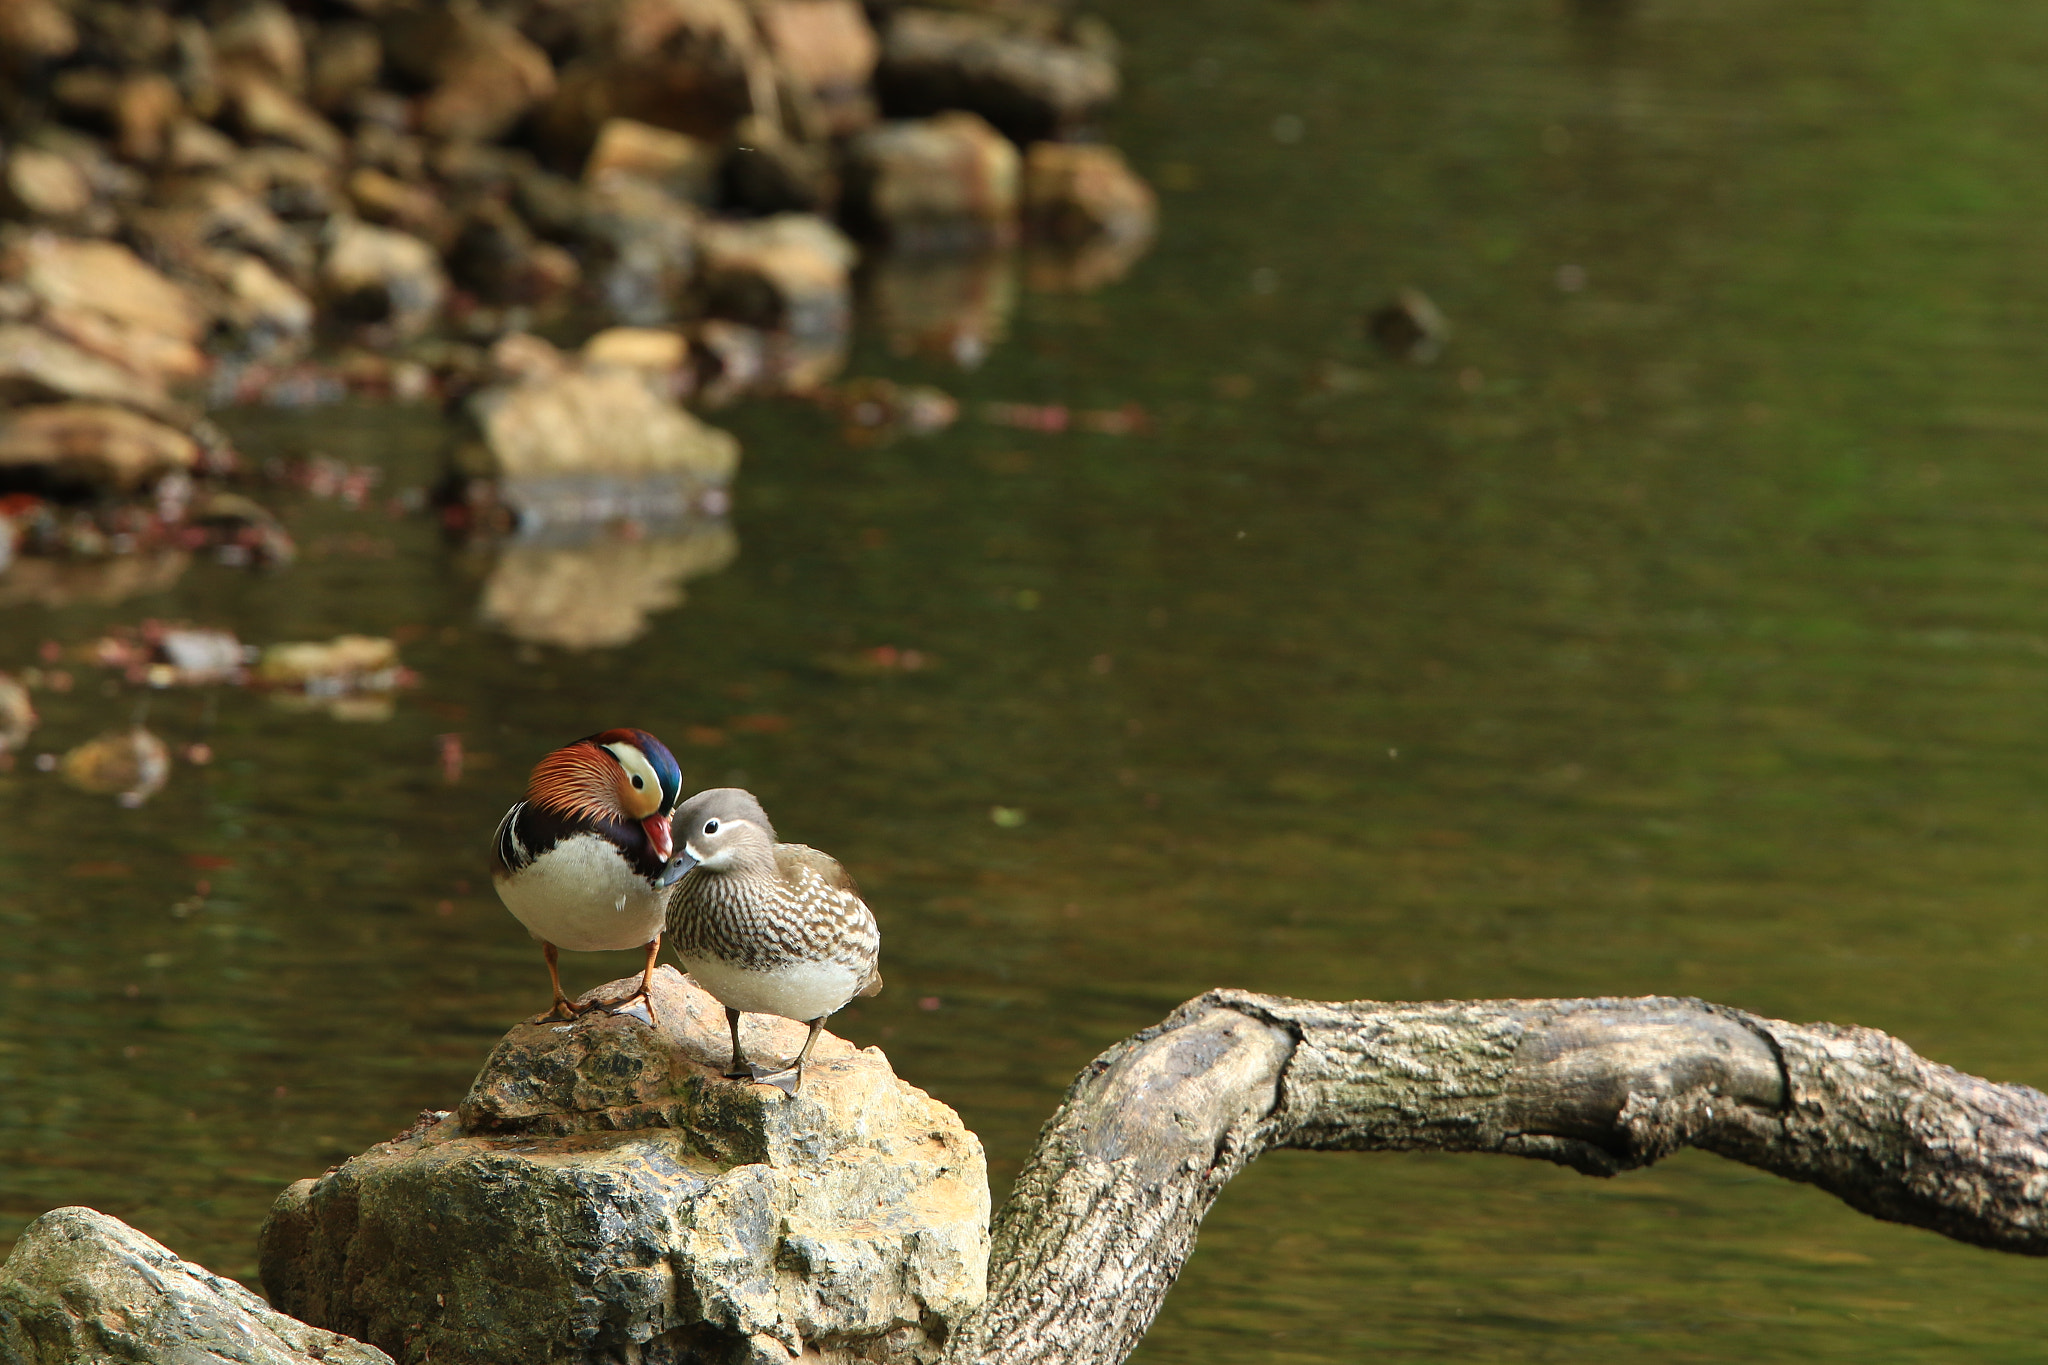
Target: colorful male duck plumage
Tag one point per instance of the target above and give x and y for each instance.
(584, 861)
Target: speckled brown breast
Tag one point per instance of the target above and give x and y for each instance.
(808, 910)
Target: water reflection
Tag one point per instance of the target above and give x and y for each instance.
(598, 587)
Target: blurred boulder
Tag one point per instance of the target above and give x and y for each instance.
(497, 258)
(42, 186)
(346, 58)
(829, 49)
(483, 74)
(647, 350)
(102, 296)
(944, 182)
(681, 166)
(647, 1209)
(190, 145)
(296, 185)
(1074, 192)
(383, 277)
(33, 32)
(146, 107)
(197, 213)
(599, 422)
(1028, 84)
(264, 111)
(345, 663)
(37, 365)
(98, 444)
(695, 66)
(789, 273)
(82, 1286)
(410, 207)
(261, 37)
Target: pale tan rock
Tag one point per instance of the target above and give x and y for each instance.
(791, 273)
(265, 111)
(35, 31)
(486, 75)
(107, 278)
(95, 443)
(36, 364)
(132, 764)
(644, 242)
(146, 107)
(345, 58)
(647, 1208)
(383, 198)
(264, 38)
(598, 422)
(85, 1287)
(380, 275)
(45, 185)
(943, 181)
(1077, 191)
(653, 349)
(192, 145)
(680, 165)
(829, 48)
(601, 594)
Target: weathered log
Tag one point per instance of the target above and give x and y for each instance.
(1106, 1209)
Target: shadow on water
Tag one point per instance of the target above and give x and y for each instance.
(1680, 629)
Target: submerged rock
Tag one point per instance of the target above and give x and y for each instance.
(604, 1194)
(132, 764)
(83, 1286)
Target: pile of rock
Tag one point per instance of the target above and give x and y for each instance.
(396, 164)
(188, 188)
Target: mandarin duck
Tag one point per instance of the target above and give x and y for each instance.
(584, 862)
(766, 927)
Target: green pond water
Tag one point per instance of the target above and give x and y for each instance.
(1685, 632)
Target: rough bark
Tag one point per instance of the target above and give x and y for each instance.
(1106, 1210)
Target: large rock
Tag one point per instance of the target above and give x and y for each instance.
(1076, 191)
(103, 297)
(682, 166)
(84, 1287)
(592, 424)
(382, 276)
(829, 50)
(484, 73)
(603, 1194)
(942, 182)
(789, 274)
(91, 443)
(1028, 84)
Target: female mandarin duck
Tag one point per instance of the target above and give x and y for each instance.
(583, 861)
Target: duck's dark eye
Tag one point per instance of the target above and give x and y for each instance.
(638, 783)
(711, 827)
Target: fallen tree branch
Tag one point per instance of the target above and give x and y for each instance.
(1106, 1210)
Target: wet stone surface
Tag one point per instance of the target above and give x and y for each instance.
(603, 1189)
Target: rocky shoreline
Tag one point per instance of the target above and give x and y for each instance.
(601, 1194)
(203, 205)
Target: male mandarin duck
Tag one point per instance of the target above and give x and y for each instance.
(583, 861)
